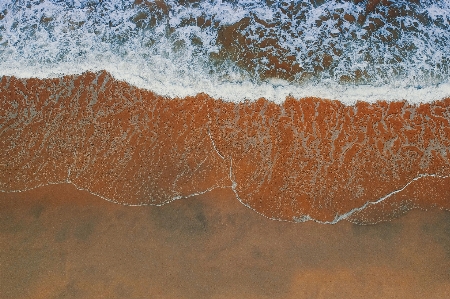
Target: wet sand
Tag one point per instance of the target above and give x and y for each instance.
(303, 159)
(59, 242)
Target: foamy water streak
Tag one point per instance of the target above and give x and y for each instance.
(239, 49)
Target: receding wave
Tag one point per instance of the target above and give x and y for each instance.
(234, 50)
(304, 159)
(307, 110)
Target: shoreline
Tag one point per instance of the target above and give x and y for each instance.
(277, 91)
(298, 161)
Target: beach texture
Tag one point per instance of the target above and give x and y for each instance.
(59, 242)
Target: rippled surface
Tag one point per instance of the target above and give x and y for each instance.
(306, 159)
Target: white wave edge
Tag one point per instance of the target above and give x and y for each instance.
(274, 90)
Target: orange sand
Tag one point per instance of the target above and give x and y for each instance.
(305, 157)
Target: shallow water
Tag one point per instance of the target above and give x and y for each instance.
(306, 159)
(143, 140)
(236, 50)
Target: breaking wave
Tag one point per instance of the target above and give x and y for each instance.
(236, 50)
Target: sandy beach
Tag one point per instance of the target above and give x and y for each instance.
(224, 149)
(59, 242)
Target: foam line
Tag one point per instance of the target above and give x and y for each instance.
(348, 53)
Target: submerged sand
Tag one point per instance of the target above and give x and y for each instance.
(304, 159)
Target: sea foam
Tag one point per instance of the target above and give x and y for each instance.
(177, 50)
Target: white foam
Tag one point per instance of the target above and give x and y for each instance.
(78, 38)
(167, 84)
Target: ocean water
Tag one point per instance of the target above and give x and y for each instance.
(235, 50)
(307, 110)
